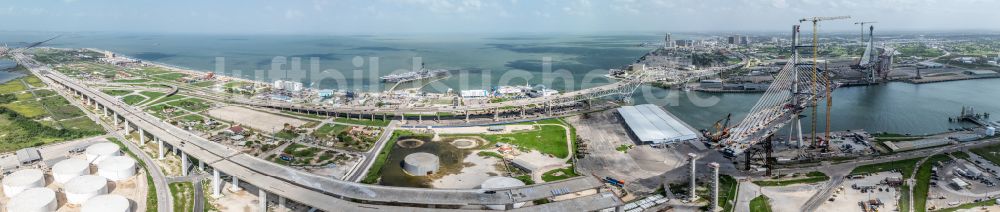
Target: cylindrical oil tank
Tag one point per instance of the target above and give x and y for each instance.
(34, 200)
(67, 169)
(100, 151)
(117, 168)
(106, 203)
(21, 180)
(80, 189)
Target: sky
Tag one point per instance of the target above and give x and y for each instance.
(484, 16)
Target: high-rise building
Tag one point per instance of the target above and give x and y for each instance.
(668, 42)
(744, 40)
(734, 39)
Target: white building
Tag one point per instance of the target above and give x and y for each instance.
(651, 124)
(473, 93)
(288, 85)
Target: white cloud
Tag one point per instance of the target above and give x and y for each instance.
(293, 14)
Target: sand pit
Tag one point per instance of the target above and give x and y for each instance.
(410, 143)
(254, 119)
(465, 143)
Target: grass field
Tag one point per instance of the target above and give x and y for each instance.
(366, 122)
(81, 123)
(903, 166)
(30, 109)
(116, 92)
(151, 94)
(170, 76)
(904, 198)
(191, 104)
(60, 108)
(12, 86)
(130, 80)
(547, 139)
(923, 182)
(811, 177)
(329, 130)
(169, 98)
(183, 193)
(760, 204)
(133, 99)
(989, 202)
(728, 188)
(559, 174)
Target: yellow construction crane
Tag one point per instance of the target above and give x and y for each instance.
(829, 101)
(862, 23)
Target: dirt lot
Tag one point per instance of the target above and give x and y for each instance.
(847, 198)
(253, 118)
(604, 132)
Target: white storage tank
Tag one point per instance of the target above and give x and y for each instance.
(421, 164)
(67, 169)
(106, 203)
(100, 151)
(22, 180)
(80, 189)
(116, 168)
(499, 183)
(991, 131)
(34, 200)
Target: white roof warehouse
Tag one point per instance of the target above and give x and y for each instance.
(651, 124)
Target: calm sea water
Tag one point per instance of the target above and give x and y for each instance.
(485, 59)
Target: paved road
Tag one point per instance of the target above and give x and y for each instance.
(368, 159)
(159, 180)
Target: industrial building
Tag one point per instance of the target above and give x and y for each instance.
(288, 85)
(652, 125)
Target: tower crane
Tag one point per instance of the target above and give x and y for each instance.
(829, 101)
(862, 23)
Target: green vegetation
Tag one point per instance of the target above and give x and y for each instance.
(990, 153)
(918, 50)
(961, 155)
(60, 108)
(299, 150)
(559, 174)
(547, 139)
(905, 167)
(183, 193)
(623, 148)
(904, 198)
(133, 99)
(923, 182)
(329, 130)
(366, 122)
(29, 109)
(151, 94)
(376, 170)
(117, 92)
(286, 135)
(18, 131)
(191, 104)
(12, 86)
(985, 203)
(811, 177)
(728, 189)
(82, 123)
(760, 204)
(526, 179)
(171, 76)
(490, 154)
(169, 98)
(192, 117)
(130, 80)
(204, 84)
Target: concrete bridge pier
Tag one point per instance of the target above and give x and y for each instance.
(201, 166)
(420, 118)
(281, 204)
(159, 144)
(142, 136)
(466, 116)
(184, 164)
(216, 183)
(262, 200)
(236, 185)
(496, 114)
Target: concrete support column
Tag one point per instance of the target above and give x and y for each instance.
(262, 202)
(496, 115)
(184, 164)
(715, 187)
(142, 136)
(128, 129)
(420, 118)
(466, 116)
(201, 165)
(281, 204)
(236, 185)
(692, 159)
(116, 120)
(105, 111)
(159, 143)
(216, 183)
